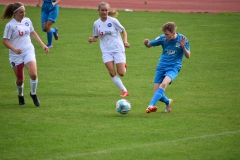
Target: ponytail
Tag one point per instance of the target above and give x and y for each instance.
(10, 10)
(113, 13)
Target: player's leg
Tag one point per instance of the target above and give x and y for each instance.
(32, 71)
(115, 78)
(120, 61)
(121, 69)
(171, 74)
(19, 73)
(155, 87)
(158, 92)
(44, 18)
(49, 17)
(53, 18)
(109, 63)
(31, 65)
(47, 26)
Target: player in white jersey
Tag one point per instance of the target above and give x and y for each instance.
(108, 28)
(17, 39)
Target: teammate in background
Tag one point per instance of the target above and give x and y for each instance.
(50, 10)
(108, 28)
(16, 37)
(175, 46)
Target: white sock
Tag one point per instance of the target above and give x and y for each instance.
(33, 85)
(20, 89)
(119, 83)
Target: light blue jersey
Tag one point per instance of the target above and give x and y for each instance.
(170, 62)
(172, 53)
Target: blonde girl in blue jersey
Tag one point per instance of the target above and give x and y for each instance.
(50, 10)
(174, 47)
(108, 29)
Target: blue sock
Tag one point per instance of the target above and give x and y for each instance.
(49, 37)
(158, 95)
(164, 99)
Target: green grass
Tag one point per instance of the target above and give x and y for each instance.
(77, 117)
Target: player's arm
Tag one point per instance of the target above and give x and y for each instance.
(183, 45)
(125, 42)
(92, 39)
(38, 39)
(38, 3)
(54, 3)
(186, 52)
(10, 46)
(146, 42)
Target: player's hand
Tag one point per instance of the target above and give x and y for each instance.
(183, 41)
(46, 49)
(17, 51)
(126, 44)
(90, 39)
(146, 41)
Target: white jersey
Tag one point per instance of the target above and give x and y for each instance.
(18, 34)
(109, 33)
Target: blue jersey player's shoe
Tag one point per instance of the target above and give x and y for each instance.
(49, 45)
(55, 34)
(168, 108)
(151, 109)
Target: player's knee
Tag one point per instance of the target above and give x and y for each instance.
(112, 73)
(164, 85)
(121, 74)
(33, 76)
(19, 82)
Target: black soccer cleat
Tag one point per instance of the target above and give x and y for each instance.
(35, 100)
(21, 100)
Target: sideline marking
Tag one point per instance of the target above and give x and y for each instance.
(145, 145)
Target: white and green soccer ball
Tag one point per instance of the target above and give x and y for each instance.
(123, 106)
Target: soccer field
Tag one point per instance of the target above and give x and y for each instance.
(77, 118)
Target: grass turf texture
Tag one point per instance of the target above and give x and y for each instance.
(77, 118)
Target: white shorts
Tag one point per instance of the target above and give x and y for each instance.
(25, 57)
(117, 57)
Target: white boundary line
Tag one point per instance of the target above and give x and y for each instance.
(145, 145)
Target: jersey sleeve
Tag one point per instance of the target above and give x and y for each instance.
(7, 31)
(158, 40)
(31, 26)
(117, 25)
(95, 29)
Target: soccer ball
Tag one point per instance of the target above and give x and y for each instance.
(123, 106)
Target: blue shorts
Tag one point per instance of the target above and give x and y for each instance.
(162, 73)
(49, 13)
